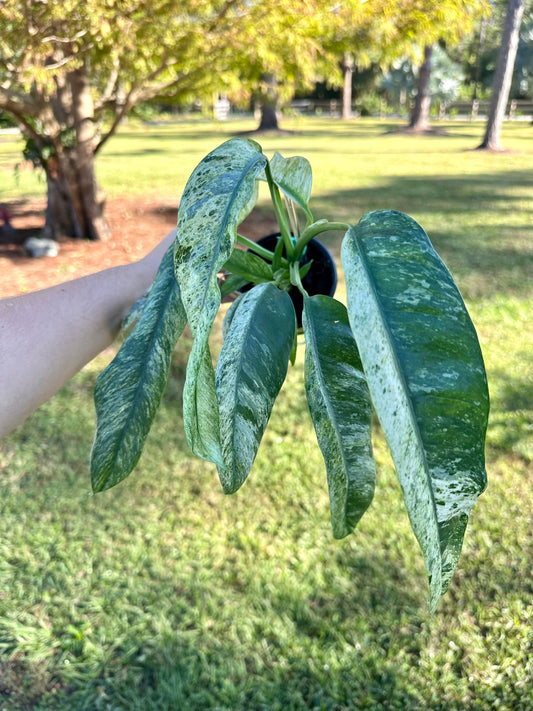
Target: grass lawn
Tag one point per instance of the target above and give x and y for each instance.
(165, 594)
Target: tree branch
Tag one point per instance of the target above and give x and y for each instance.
(17, 103)
(110, 87)
(64, 40)
(130, 101)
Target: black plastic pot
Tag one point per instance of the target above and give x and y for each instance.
(321, 278)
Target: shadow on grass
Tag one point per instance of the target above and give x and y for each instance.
(510, 424)
(252, 667)
(491, 255)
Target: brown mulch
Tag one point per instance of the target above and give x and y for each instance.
(137, 225)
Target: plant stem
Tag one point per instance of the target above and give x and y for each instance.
(254, 247)
(280, 213)
(296, 279)
(314, 230)
(261, 251)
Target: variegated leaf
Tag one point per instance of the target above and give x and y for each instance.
(294, 178)
(219, 194)
(249, 265)
(128, 391)
(229, 316)
(426, 376)
(341, 410)
(250, 371)
(135, 313)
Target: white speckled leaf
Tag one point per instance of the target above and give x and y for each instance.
(294, 178)
(341, 410)
(218, 195)
(229, 316)
(426, 377)
(128, 391)
(250, 371)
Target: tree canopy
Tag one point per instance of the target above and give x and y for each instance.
(71, 71)
(131, 51)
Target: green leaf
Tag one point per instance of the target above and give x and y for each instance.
(218, 195)
(250, 371)
(231, 284)
(135, 313)
(341, 410)
(201, 408)
(294, 178)
(426, 376)
(229, 316)
(128, 391)
(249, 266)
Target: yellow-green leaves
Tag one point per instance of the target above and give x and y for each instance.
(250, 372)
(426, 377)
(217, 197)
(129, 390)
(341, 410)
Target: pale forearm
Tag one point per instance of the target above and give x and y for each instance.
(47, 336)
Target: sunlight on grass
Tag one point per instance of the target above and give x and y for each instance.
(165, 594)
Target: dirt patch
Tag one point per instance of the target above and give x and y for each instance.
(137, 225)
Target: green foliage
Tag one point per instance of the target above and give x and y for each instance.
(427, 378)
(218, 196)
(129, 390)
(409, 337)
(341, 409)
(250, 372)
(166, 594)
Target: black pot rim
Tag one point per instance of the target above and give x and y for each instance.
(328, 275)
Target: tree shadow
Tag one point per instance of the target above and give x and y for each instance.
(510, 423)
(28, 212)
(489, 257)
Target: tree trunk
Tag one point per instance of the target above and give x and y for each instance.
(269, 118)
(420, 114)
(75, 206)
(503, 75)
(269, 103)
(347, 68)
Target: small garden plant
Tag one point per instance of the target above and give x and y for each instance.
(404, 348)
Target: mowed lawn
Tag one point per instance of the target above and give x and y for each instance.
(165, 594)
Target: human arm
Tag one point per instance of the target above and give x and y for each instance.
(47, 336)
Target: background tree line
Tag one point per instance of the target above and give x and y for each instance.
(71, 72)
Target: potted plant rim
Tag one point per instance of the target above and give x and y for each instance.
(403, 347)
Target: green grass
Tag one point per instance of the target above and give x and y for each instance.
(165, 594)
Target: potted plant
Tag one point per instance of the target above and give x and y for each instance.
(404, 347)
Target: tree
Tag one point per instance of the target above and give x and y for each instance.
(384, 31)
(419, 120)
(348, 66)
(284, 52)
(446, 22)
(70, 72)
(503, 75)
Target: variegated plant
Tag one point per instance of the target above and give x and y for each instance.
(404, 346)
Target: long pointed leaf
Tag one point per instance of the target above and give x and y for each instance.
(251, 368)
(294, 178)
(250, 266)
(128, 391)
(219, 194)
(426, 376)
(341, 409)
